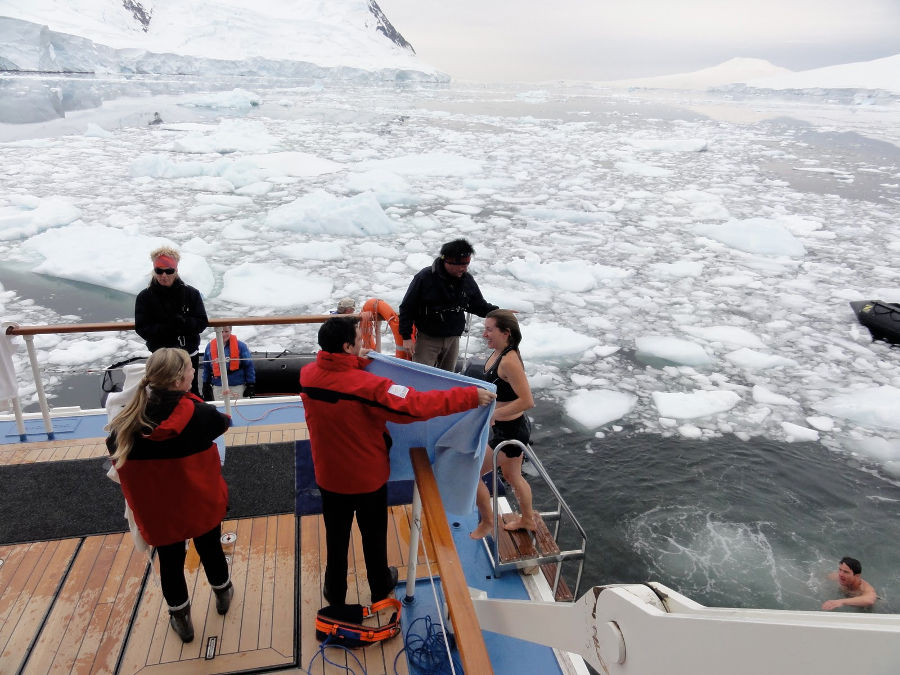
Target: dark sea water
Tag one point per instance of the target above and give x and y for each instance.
(727, 522)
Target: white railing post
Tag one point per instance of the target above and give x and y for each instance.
(20, 421)
(42, 397)
(414, 533)
(223, 370)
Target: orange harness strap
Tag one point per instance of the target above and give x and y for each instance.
(352, 634)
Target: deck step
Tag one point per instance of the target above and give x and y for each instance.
(519, 545)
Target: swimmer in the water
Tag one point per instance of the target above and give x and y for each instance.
(858, 592)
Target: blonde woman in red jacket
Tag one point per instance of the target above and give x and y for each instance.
(347, 410)
(163, 447)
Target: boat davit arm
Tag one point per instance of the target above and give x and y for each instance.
(650, 629)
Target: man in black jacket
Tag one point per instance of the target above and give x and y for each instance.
(169, 313)
(436, 302)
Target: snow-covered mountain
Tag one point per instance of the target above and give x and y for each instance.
(878, 74)
(251, 37)
(732, 71)
(883, 74)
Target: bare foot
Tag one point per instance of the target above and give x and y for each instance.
(484, 529)
(519, 523)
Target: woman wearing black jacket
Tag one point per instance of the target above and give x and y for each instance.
(169, 313)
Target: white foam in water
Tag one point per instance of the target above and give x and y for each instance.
(674, 238)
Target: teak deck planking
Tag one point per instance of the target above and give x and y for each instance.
(94, 605)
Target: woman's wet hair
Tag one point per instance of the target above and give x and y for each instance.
(164, 369)
(336, 332)
(506, 321)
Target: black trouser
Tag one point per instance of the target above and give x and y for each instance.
(371, 516)
(171, 565)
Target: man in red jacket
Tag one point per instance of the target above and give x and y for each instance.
(346, 412)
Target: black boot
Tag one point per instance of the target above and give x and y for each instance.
(180, 620)
(394, 575)
(223, 597)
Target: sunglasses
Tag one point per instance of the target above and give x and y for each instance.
(164, 270)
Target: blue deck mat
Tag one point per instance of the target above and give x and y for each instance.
(309, 501)
(508, 655)
(91, 425)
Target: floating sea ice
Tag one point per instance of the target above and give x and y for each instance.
(871, 407)
(768, 397)
(204, 211)
(229, 136)
(126, 265)
(427, 164)
(549, 340)
(575, 276)
(669, 144)
(820, 423)
(731, 335)
(755, 235)
(795, 433)
(255, 189)
(682, 268)
(710, 211)
(238, 173)
(419, 261)
(78, 351)
(682, 405)
(568, 275)
(672, 349)
(321, 213)
(296, 164)
(594, 408)
(884, 450)
(690, 431)
(26, 215)
(389, 187)
(641, 169)
(750, 359)
(264, 284)
(96, 131)
(312, 250)
(239, 99)
(210, 184)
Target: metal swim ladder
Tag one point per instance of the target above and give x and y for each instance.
(555, 556)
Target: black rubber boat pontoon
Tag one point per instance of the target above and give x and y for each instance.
(881, 318)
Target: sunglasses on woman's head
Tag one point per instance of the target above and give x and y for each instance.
(164, 270)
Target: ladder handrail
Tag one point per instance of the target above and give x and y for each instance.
(494, 550)
(469, 639)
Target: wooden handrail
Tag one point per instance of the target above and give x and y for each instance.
(469, 639)
(129, 325)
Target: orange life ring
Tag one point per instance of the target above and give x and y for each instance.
(372, 308)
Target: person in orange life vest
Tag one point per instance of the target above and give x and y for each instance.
(163, 447)
(238, 360)
(346, 411)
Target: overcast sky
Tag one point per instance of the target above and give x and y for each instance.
(534, 40)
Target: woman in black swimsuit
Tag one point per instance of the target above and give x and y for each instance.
(505, 369)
